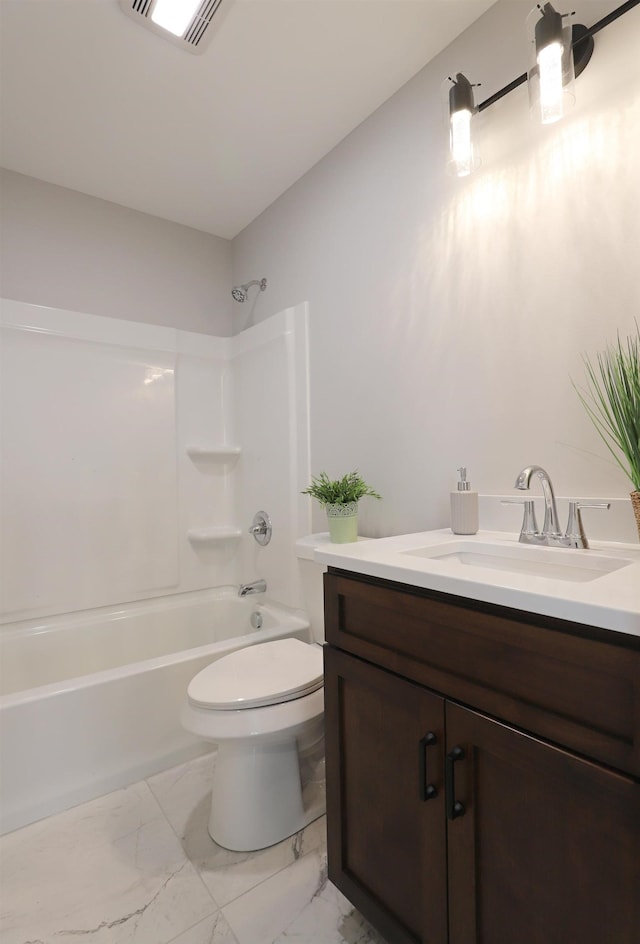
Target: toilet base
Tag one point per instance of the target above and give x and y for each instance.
(256, 800)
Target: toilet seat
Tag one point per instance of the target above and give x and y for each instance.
(269, 673)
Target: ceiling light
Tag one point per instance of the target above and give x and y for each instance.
(185, 23)
(174, 15)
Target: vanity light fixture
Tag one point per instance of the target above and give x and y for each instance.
(464, 158)
(554, 44)
(549, 61)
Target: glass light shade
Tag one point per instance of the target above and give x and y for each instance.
(550, 66)
(551, 71)
(461, 146)
(174, 15)
(461, 109)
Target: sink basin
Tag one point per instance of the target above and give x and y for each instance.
(553, 563)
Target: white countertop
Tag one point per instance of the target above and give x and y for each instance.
(610, 601)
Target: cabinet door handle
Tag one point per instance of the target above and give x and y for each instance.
(454, 807)
(427, 790)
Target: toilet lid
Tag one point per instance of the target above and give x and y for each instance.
(266, 674)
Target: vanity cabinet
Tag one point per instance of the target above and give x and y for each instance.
(483, 769)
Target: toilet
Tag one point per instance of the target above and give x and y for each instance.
(263, 706)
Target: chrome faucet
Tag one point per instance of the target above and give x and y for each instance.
(256, 586)
(550, 527)
(550, 535)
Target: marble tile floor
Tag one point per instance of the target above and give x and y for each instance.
(138, 866)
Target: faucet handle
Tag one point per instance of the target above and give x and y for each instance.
(574, 534)
(261, 527)
(529, 523)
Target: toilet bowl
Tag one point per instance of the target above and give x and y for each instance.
(263, 706)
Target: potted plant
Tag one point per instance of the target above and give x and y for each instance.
(340, 497)
(612, 400)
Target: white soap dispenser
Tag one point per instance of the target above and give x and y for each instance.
(464, 507)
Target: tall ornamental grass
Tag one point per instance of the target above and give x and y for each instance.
(611, 397)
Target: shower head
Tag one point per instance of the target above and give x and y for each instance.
(240, 292)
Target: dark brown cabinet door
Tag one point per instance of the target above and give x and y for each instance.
(385, 799)
(547, 850)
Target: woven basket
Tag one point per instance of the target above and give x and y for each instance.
(635, 501)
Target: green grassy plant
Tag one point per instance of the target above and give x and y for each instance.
(350, 488)
(612, 400)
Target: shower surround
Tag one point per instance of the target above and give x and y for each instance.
(134, 458)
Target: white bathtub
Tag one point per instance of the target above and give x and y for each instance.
(91, 702)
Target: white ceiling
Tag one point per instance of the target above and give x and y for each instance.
(94, 102)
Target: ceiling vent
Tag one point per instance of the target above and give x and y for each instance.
(198, 33)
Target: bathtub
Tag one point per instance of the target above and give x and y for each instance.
(90, 702)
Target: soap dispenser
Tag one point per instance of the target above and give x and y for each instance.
(464, 507)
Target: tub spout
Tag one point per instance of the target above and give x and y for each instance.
(256, 586)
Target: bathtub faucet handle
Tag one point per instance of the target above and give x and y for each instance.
(261, 527)
(256, 586)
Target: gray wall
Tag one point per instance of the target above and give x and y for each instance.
(67, 250)
(447, 317)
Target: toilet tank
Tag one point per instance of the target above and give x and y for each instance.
(310, 575)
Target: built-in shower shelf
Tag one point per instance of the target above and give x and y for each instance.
(222, 451)
(218, 535)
